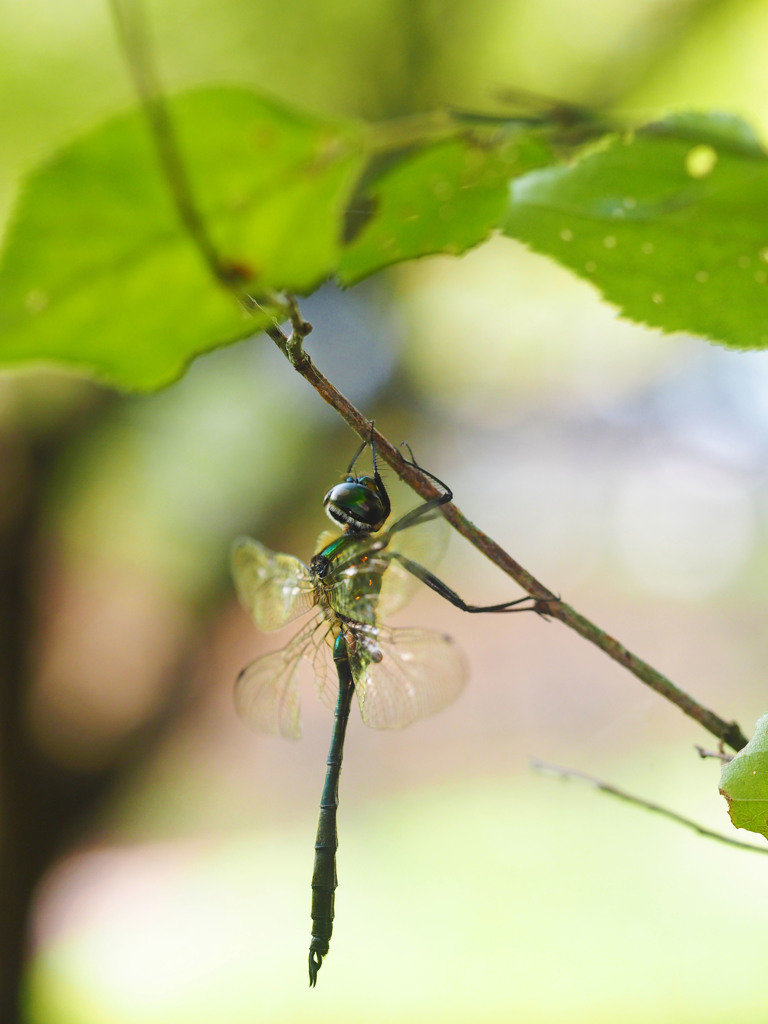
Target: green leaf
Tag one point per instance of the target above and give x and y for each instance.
(744, 783)
(671, 224)
(99, 274)
(443, 198)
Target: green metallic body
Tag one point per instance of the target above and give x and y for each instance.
(324, 880)
(398, 675)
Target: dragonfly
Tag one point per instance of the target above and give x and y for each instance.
(356, 579)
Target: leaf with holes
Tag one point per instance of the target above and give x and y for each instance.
(670, 223)
(744, 783)
(443, 198)
(98, 273)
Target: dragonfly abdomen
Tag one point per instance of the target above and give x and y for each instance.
(324, 878)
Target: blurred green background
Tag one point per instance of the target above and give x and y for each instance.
(625, 470)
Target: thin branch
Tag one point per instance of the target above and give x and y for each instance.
(135, 42)
(134, 38)
(719, 754)
(548, 602)
(606, 787)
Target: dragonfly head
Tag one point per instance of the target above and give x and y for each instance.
(357, 504)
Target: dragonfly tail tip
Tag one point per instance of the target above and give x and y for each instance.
(315, 963)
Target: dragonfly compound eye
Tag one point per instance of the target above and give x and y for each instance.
(356, 504)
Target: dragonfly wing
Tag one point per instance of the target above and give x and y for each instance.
(369, 584)
(424, 542)
(402, 675)
(325, 538)
(324, 671)
(275, 589)
(266, 691)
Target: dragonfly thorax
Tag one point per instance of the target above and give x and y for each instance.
(357, 504)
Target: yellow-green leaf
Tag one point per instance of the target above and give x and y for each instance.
(98, 273)
(744, 783)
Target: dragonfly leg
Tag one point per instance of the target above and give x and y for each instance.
(379, 483)
(427, 507)
(445, 591)
(370, 443)
(432, 581)
(447, 494)
(357, 454)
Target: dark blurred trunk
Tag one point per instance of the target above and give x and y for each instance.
(40, 803)
(45, 806)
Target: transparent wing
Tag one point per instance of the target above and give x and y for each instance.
(323, 668)
(402, 675)
(273, 588)
(391, 585)
(266, 691)
(325, 538)
(424, 542)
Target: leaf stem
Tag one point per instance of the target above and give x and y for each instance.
(666, 812)
(135, 42)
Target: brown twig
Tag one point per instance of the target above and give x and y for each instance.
(719, 754)
(606, 787)
(134, 38)
(548, 603)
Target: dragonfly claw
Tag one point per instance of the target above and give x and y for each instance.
(315, 963)
(544, 606)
